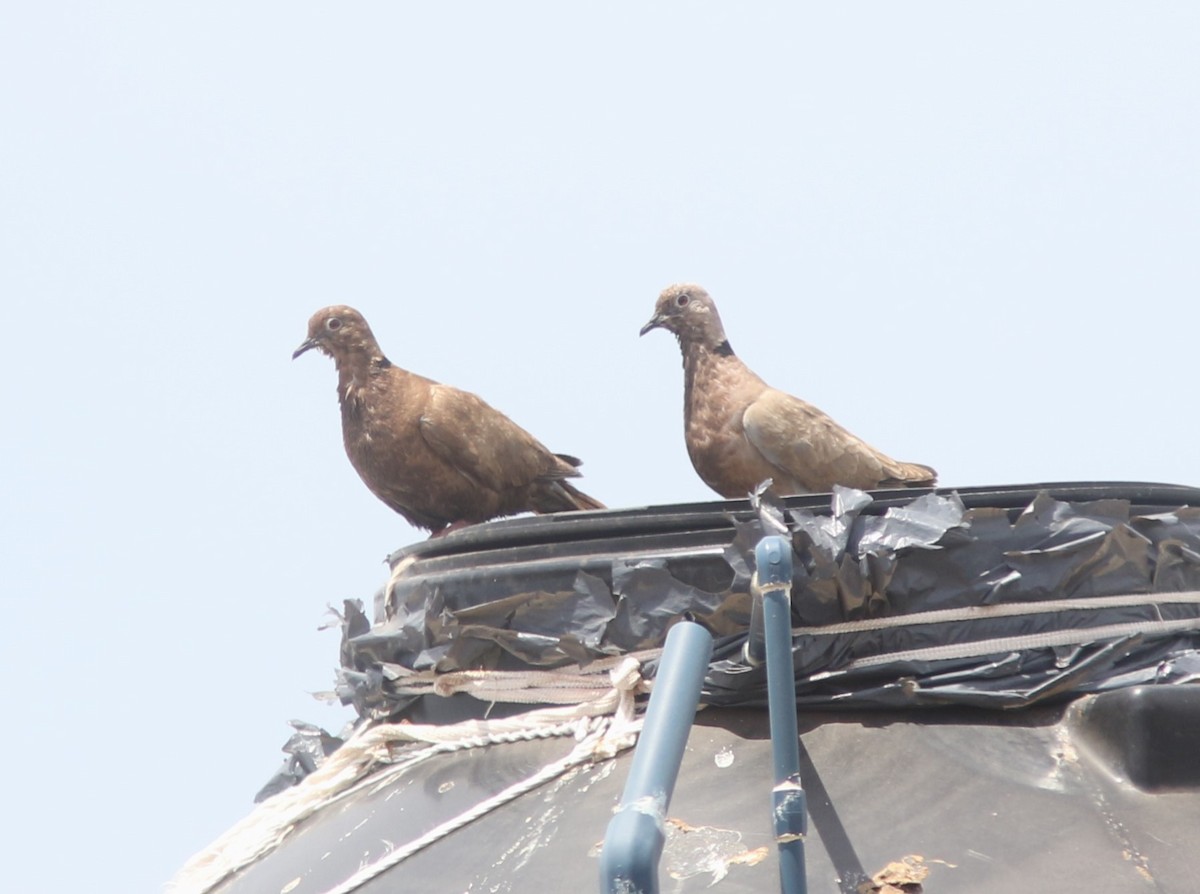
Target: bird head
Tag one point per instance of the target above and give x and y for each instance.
(689, 312)
(338, 331)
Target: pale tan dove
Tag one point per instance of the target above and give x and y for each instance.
(740, 431)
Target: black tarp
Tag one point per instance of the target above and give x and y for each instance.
(1024, 596)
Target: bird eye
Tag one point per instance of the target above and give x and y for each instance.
(682, 300)
(333, 324)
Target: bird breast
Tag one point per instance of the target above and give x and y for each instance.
(716, 438)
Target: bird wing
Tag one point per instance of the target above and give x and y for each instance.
(483, 444)
(807, 445)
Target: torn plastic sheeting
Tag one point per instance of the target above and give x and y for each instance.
(536, 628)
(930, 554)
(1052, 550)
(921, 524)
(306, 749)
(828, 662)
(650, 599)
(1011, 680)
(815, 653)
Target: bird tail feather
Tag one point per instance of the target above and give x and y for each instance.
(912, 475)
(563, 497)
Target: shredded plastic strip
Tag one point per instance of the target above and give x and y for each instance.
(562, 686)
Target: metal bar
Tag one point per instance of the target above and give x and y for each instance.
(773, 582)
(634, 840)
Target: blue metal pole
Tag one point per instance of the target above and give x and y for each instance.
(634, 840)
(773, 559)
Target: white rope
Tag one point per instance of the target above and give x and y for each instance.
(600, 739)
(346, 770)
(586, 751)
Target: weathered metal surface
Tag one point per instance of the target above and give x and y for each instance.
(991, 803)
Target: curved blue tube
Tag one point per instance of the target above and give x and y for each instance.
(634, 840)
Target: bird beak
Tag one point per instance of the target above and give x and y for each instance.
(655, 321)
(307, 345)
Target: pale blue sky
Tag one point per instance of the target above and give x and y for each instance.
(971, 232)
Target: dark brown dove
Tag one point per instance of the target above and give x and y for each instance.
(440, 457)
(741, 431)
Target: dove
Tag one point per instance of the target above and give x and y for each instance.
(439, 456)
(740, 431)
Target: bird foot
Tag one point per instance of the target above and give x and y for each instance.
(450, 528)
